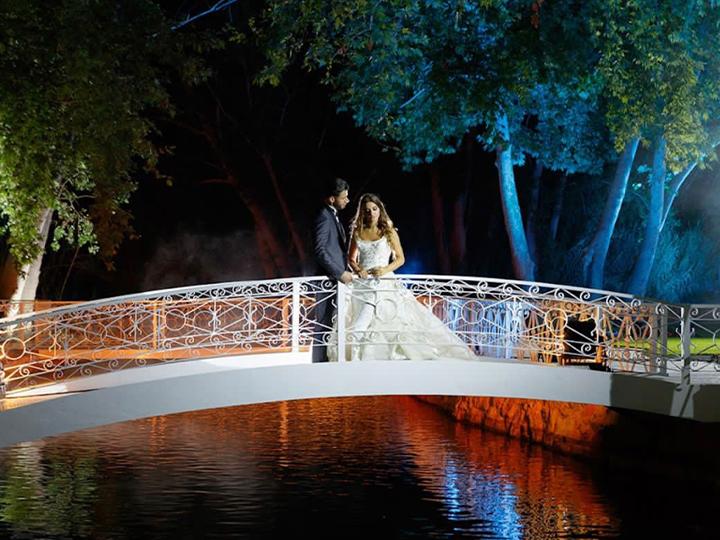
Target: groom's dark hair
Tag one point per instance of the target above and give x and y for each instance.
(335, 187)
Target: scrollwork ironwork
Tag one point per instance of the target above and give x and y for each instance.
(498, 318)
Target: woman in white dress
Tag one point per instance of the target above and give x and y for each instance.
(384, 320)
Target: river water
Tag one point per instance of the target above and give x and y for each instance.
(336, 468)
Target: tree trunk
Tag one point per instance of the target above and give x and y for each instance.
(294, 236)
(596, 253)
(557, 207)
(458, 243)
(532, 210)
(523, 265)
(675, 186)
(263, 253)
(438, 217)
(8, 277)
(677, 183)
(29, 275)
(274, 257)
(643, 265)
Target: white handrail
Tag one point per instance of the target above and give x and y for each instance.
(495, 317)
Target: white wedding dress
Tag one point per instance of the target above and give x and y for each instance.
(384, 321)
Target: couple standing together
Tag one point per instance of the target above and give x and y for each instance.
(384, 321)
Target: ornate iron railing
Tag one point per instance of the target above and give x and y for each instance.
(13, 308)
(700, 346)
(496, 318)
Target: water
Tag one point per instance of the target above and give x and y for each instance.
(340, 468)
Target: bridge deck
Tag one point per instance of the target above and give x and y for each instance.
(197, 347)
(212, 383)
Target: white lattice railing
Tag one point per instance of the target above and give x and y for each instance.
(495, 318)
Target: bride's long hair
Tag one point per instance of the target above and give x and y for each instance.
(359, 222)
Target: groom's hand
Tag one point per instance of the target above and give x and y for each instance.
(346, 277)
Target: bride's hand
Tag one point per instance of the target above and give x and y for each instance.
(363, 273)
(378, 271)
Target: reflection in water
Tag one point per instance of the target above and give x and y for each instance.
(48, 492)
(349, 467)
(520, 490)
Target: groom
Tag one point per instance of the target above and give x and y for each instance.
(330, 247)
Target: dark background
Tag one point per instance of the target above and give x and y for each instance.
(197, 227)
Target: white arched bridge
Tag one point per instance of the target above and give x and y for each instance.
(95, 363)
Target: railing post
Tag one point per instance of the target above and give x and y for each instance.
(508, 327)
(513, 326)
(2, 381)
(600, 347)
(160, 328)
(295, 317)
(341, 311)
(685, 342)
(654, 339)
(663, 340)
(215, 319)
(66, 345)
(155, 335)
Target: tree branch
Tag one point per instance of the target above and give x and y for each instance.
(222, 4)
(677, 183)
(217, 182)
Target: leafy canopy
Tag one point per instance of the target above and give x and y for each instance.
(660, 62)
(571, 77)
(420, 75)
(78, 77)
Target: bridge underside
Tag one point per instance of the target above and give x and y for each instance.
(207, 384)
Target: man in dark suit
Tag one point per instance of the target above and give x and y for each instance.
(330, 246)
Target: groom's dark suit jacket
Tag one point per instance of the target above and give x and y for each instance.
(329, 243)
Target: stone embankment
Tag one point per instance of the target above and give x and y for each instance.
(616, 437)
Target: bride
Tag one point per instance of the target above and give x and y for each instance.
(384, 320)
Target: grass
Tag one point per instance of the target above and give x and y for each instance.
(703, 346)
(697, 346)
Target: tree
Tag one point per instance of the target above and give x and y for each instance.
(239, 127)
(561, 82)
(78, 80)
(659, 63)
(420, 75)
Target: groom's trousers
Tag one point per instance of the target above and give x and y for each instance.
(324, 313)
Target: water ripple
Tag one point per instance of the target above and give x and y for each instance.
(351, 468)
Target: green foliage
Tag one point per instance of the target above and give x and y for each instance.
(568, 135)
(570, 76)
(421, 75)
(53, 497)
(573, 81)
(77, 80)
(685, 268)
(659, 62)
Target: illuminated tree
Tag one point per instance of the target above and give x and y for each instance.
(559, 81)
(419, 76)
(78, 78)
